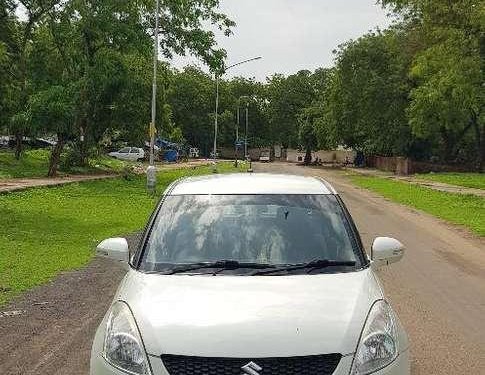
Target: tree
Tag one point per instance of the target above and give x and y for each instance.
(20, 46)
(448, 100)
(446, 103)
(308, 138)
(368, 95)
(288, 96)
(191, 101)
(98, 40)
(53, 110)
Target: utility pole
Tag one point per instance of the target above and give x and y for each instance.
(236, 144)
(248, 157)
(218, 76)
(246, 135)
(216, 124)
(151, 171)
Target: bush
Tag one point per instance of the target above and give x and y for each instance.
(128, 172)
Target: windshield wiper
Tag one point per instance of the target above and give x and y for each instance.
(313, 265)
(222, 264)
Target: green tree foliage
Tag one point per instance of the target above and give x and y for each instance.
(101, 53)
(191, 99)
(448, 99)
(308, 139)
(415, 89)
(288, 97)
(5, 61)
(446, 102)
(368, 95)
(54, 108)
(19, 34)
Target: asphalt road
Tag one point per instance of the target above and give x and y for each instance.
(438, 290)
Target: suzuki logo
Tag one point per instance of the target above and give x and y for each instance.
(251, 369)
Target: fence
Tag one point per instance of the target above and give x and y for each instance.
(405, 166)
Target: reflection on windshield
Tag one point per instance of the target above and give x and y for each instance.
(272, 229)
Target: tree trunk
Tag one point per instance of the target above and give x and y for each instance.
(308, 157)
(18, 145)
(481, 148)
(56, 156)
(82, 143)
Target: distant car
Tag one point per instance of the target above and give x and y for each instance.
(251, 274)
(265, 157)
(4, 140)
(194, 153)
(129, 154)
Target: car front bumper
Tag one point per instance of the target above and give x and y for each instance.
(401, 366)
(99, 366)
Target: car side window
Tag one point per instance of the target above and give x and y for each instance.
(125, 150)
(135, 150)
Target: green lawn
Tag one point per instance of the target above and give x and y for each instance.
(466, 210)
(471, 180)
(35, 163)
(45, 231)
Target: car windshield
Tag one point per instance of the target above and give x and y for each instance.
(262, 229)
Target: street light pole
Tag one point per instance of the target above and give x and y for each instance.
(248, 157)
(216, 124)
(151, 171)
(236, 144)
(218, 76)
(246, 134)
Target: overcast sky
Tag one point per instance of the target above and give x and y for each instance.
(292, 34)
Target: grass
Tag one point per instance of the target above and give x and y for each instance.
(35, 163)
(45, 231)
(470, 180)
(466, 210)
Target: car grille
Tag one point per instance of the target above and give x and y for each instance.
(309, 365)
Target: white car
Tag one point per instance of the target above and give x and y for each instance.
(129, 154)
(265, 157)
(251, 274)
(194, 153)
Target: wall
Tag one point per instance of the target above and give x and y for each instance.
(405, 166)
(337, 156)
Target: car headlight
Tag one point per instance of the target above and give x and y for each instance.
(378, 343)
(123, 346)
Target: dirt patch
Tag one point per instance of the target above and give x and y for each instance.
(50, 329)
(17, 184)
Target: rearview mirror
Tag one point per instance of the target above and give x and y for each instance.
(114, 248)
(385, 251)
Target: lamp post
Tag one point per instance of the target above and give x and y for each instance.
(247, 156)
(151, 170)
(236, 144)
(218, 76)
(246, 134)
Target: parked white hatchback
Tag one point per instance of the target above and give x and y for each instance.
(251, 274)
(129, 154)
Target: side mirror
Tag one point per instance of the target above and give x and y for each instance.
(385, 251)
(115, 249)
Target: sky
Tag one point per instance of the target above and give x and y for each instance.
(291, 35)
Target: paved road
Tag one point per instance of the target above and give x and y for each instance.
(438, 289)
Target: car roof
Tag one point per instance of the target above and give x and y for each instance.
(251, 183)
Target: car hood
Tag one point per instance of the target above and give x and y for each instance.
(237, 316)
